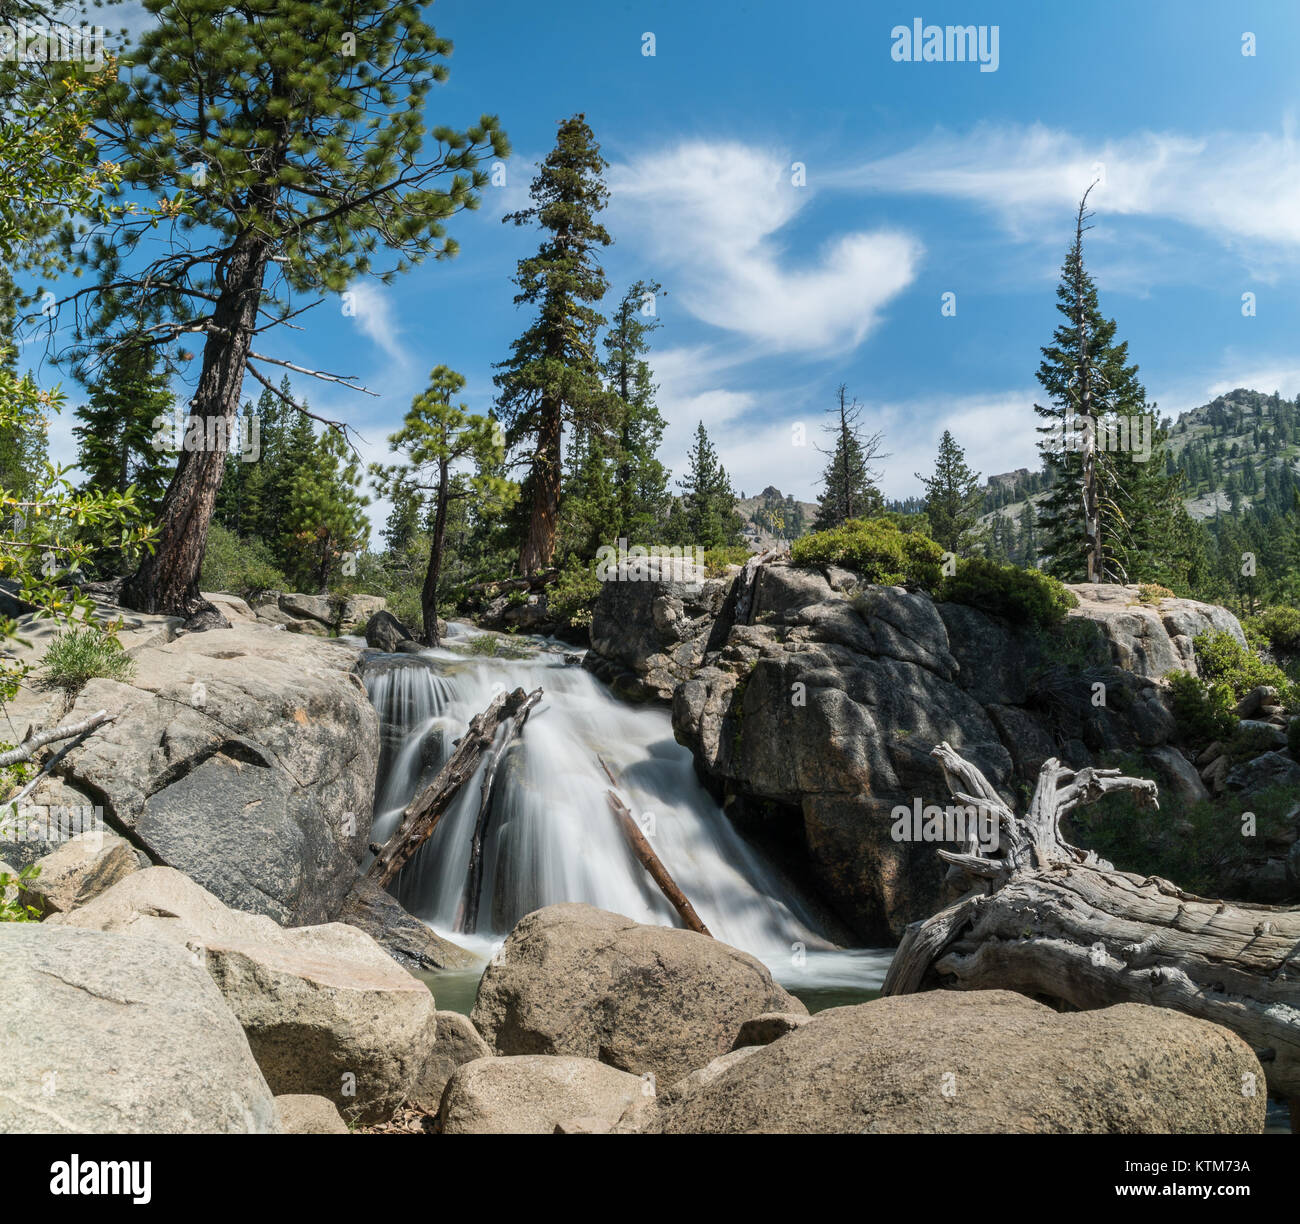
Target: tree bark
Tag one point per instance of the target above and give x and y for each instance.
(168, 578)
(1052, 921)
(429, 592)
(424, 812)
(474, 879)
(539, 544)
(645, 853)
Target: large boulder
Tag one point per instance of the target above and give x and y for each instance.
(457, 1042)
(951, 1062)
(403, 936)
(535, 1094)
(78, 870)
(327, 1012)
(108, 1034)
(1263, 772)
(245, 758)
(572, 979)
(385, 632)
(304, 1114)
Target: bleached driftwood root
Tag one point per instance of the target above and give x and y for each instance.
(1049, 920)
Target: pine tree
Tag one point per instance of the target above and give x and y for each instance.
(849, 483)
(434, 438)
(951, 497)
(326, 522)
(553, 375)
(23, 439)
(708, 517)
(130, 401)
(296, 134)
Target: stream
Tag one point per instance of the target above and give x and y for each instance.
(552, 836)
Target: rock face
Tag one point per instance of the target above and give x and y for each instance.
(535, 1094)
(572, 979)
(110, 1034)
(301, 1114)
(404, 937)
(80, 869)
(245, 758)
(457, 1042)
(812, 713)
(950, 1062)
(385, 632)
(327, 1012)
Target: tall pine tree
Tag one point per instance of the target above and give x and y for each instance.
(849, 484)
(708, 517)
(951, 497)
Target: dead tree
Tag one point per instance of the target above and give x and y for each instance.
(423, 813)
(1055, 922)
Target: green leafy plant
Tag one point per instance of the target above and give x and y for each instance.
(1279, 627)
(12, 906)
(239, 567)
(1202, 712)
(570, 597)
(1022, 596)
(1153, 593)
(490, 646)
(877, 550)
(1219, 656)
(86, 652)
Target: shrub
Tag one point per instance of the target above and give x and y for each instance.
(1280, 628)
(878, 551)
(716, 560)
(85, 652)
(1153, 592)
(239, 567)
(12, 906)
(1022, 596)
(570, 597)
(490, 646)
(1221, 657)
(1202, 712)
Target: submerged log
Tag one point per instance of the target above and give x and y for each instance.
(474, 879)
(1055, 922)
(653, 864)
(423, 813)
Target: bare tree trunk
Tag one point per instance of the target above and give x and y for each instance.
(429, 592)
(424, 812)
(539, 545)
(168, 579)
(1049, 920)
(474, 880)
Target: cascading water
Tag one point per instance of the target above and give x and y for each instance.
(551, 835)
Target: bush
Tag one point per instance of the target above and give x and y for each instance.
(1153, 593)
(1280, 628)
(1202, 712)
(878, 551)
(239, 567)
(570, 597)
(490, 646)
(86, 652)
(716, 560)
(1221, 657)
(1022, 596)
(12, 907)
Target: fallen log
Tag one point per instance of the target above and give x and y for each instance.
(1058, 923)
(653, 864)
(422, 814)
(474, 879)
(34, 743)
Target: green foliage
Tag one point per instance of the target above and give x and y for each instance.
(570, 597)
(707, 515)
(1202, 712)
(238, 566)
(494, 646)
(1022, 596)
(1220, 657)
(849, 483)
(952, 497)
(877, 550)
(1280, 628)
(325, 526)
(85, 652)
(12, 906)
(1153, 593)
(717, 560)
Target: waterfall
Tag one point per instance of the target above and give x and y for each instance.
(552, 835)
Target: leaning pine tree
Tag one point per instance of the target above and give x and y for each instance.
(287, 145)
(553, 375)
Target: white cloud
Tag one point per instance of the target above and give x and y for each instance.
(712, 214)
(374, 315)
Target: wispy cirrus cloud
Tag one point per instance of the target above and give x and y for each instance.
(713, 215)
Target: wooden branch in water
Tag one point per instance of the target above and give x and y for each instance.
(474, 881)
(644, 852)
(424, 812)
(1050, 920)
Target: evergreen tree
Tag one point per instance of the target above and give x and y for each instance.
(849, 483)
(24, 437)
(553, 375)
(326, 522)
(434, 438)
(951, 497)
(707, 518)
(296, 134)
(120, 425)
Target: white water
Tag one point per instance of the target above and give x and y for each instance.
(553, 837)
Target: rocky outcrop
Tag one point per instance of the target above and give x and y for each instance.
(244, 758)
(79, 870)
(404, 937)
(457, 1042)
(979, 1062)
(105, 1033)
(572, 979)
(326, 1011)
(813, 712)
(537, 1095)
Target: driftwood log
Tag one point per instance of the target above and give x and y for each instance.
(474, 877)
(1049, 920)
(645, 854)
(422, 814)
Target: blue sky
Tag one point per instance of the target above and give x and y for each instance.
(921, 179)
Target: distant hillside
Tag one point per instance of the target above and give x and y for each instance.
(772, 517)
